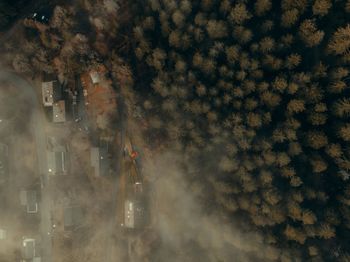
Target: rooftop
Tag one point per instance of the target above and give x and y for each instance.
(59, 112)
(29, 199)
(51, 92)
(95, 77)
(28, 248)
(134, 214)
(57, 163)
(100, 160)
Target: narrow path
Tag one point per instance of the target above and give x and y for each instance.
(119, 168)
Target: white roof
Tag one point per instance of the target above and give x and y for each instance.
(95, 77)
(56, 162)
(129, 219)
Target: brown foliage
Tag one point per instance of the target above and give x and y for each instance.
(321, 7)
(295, 106)
(262, 6)
(290, 17)
(344, 132)
(217, 29)
(308, 217)
(295, 234)
(342, 107)
(239, 13)
(326, 231)
(317, 139)
(310, 34)
(340, 41)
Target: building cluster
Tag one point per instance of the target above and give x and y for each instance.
(52, 96)
(71, 107)
(91, 98)
(29, 199)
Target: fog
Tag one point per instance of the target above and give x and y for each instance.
(187, 229)
(182, 226)
(16, 109)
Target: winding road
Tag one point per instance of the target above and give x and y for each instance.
(37, 128)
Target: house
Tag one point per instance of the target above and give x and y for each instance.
(73, 217)
(28, 198)
(133, 214)
(59, 112)
(100, 160)
(57, 162)
(30, 250)
(51, 92)
(95, 77)
(3, 162)
(129, 213)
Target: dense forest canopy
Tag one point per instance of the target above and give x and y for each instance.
(13, 10)
(261, 87)
(10, 10)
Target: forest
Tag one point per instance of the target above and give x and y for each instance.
(10, 11)
(254, 95)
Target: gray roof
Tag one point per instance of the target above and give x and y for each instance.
(29, 249)
(51, 92)
(29, 198)
(59, 112)
(57, 163)
(32, 203)
(73, 217)
(133, 213)
(100, 160)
